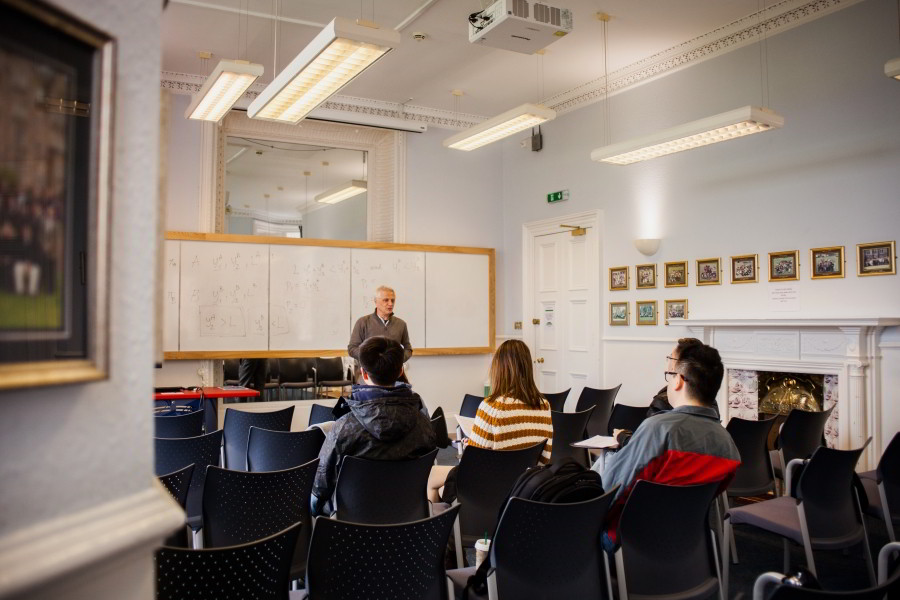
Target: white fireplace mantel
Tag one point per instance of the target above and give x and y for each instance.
(847, 347)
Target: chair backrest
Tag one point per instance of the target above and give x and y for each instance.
(888, 473)
(470, 405)
(754, 476)
(569, 428)
(232, 369)
(237, 431)
(602, 401)
(802, 433)
(826, 490)
(179, 425)
(666, 539)
(484, 480)
(383, 491)
(294, 370)
(352, 560)
(273, 368)
(536, 542)
(262, 566)
(626, 417)
(269, 450)
(439, 424)
(329, 369)
(178, 483)
(200, 451)
(319, 414)
(557, 400)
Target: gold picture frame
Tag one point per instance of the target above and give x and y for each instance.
(709, 271)
(616, 316)
(645, 276)
(618, 278)
(676, 274)
(676, 309)
(871, 257)
(826, 262)
(784, 266)
(745, 268)
(647, 316)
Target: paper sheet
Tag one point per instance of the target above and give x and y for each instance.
(465, 423)
(598, 442)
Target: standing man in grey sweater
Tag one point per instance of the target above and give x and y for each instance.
(381, 322)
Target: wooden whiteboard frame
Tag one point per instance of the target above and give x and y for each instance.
(191, 236)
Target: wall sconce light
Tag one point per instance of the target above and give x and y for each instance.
(647, 246)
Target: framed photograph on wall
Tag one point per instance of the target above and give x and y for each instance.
(676, 274)
(54, 196)
(827, 263)
(876, 258)
(618, 278)
(676, 309)
(709, 271)
(646, 312)
(618, 313)
(784, 266)
(645, 275)
(743, 268)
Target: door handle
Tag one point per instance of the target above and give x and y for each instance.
(540, 360)
(535, 321)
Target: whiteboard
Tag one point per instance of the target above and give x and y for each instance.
(457, 313)
(224, 296)
(399, 269)
(309, 298)
(171, 277)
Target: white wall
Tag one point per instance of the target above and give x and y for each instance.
(183, 169)
(342, 221)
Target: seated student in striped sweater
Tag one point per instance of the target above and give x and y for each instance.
(514, 416)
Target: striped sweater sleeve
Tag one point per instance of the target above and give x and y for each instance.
(509, 424)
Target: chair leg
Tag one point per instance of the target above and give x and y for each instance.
(807, 545)
(620, 575)
(605, 559)
(726, 565)
(886, 510)
(730, 537)
(492, 586)
(865, 540)
(722, 592)
(457, 538)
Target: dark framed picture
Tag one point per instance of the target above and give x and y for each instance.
(676, 309)
(618, 313)
(784, 266)
(743, 268)
(645, 275)
(876, 258)
(709, 271)
(827, 263)
(676, 274)
(54, 195)
(646, 312)
(618, 278)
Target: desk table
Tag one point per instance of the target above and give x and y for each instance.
(209, 395)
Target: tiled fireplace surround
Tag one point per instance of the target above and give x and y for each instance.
(846, 351)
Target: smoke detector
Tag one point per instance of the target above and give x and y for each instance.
(419, 36)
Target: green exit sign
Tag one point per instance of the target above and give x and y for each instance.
(557, 196)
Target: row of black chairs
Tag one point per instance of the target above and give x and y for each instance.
(287, 376)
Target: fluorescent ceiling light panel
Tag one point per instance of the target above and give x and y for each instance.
(342, 192)
(341, 51)
(892, 68)
(224, 86)
(501, 126)
(719, 128)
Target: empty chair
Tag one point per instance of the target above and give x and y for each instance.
(883, 487)
(295, 374)
(626, 417)
(200, 451)
(569, 428)
(800, 435)
(667, 553)
(231, 375)
(439, 423)
(383, 491)
(557, 400)
(754, 476)
(178, 484)
(259, 569)
(351, 560)
(278, 450)
(271, 388)
(319, 414)
(237, 431)
(179, 425)
(329, 372)
(602, 401)
(469, 406)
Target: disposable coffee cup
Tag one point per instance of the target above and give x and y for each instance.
(482, 547)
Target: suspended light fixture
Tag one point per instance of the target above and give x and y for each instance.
(501, 126)
(892, 68)
(224, 86)
(346, 190)
(340, 52)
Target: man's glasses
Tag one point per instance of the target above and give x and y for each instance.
(670, 374)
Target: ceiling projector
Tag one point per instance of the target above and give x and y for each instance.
(519, 25)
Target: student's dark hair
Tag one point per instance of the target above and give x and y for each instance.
(382, 358)
(701, 367)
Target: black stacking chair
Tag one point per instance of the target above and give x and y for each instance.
(883, 487)
(602, 401)
(822, 514)
(351, 560)
(329, 372)
(667, 553)
(800, 435)
(179, 425)
(547, 551)
(269, 450)
(295, 374)
(258, 569)
(439, 423)
(383, 491)
(469, 406)
(319, 414)
(557, 400)
(754, 476)
(237, 431)
(626, 417)
(178, 484)
(200, 451)
(232, 371)
(272, 386)
(569, 428)
(239, 507)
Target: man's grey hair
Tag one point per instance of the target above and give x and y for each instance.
(385, 289)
